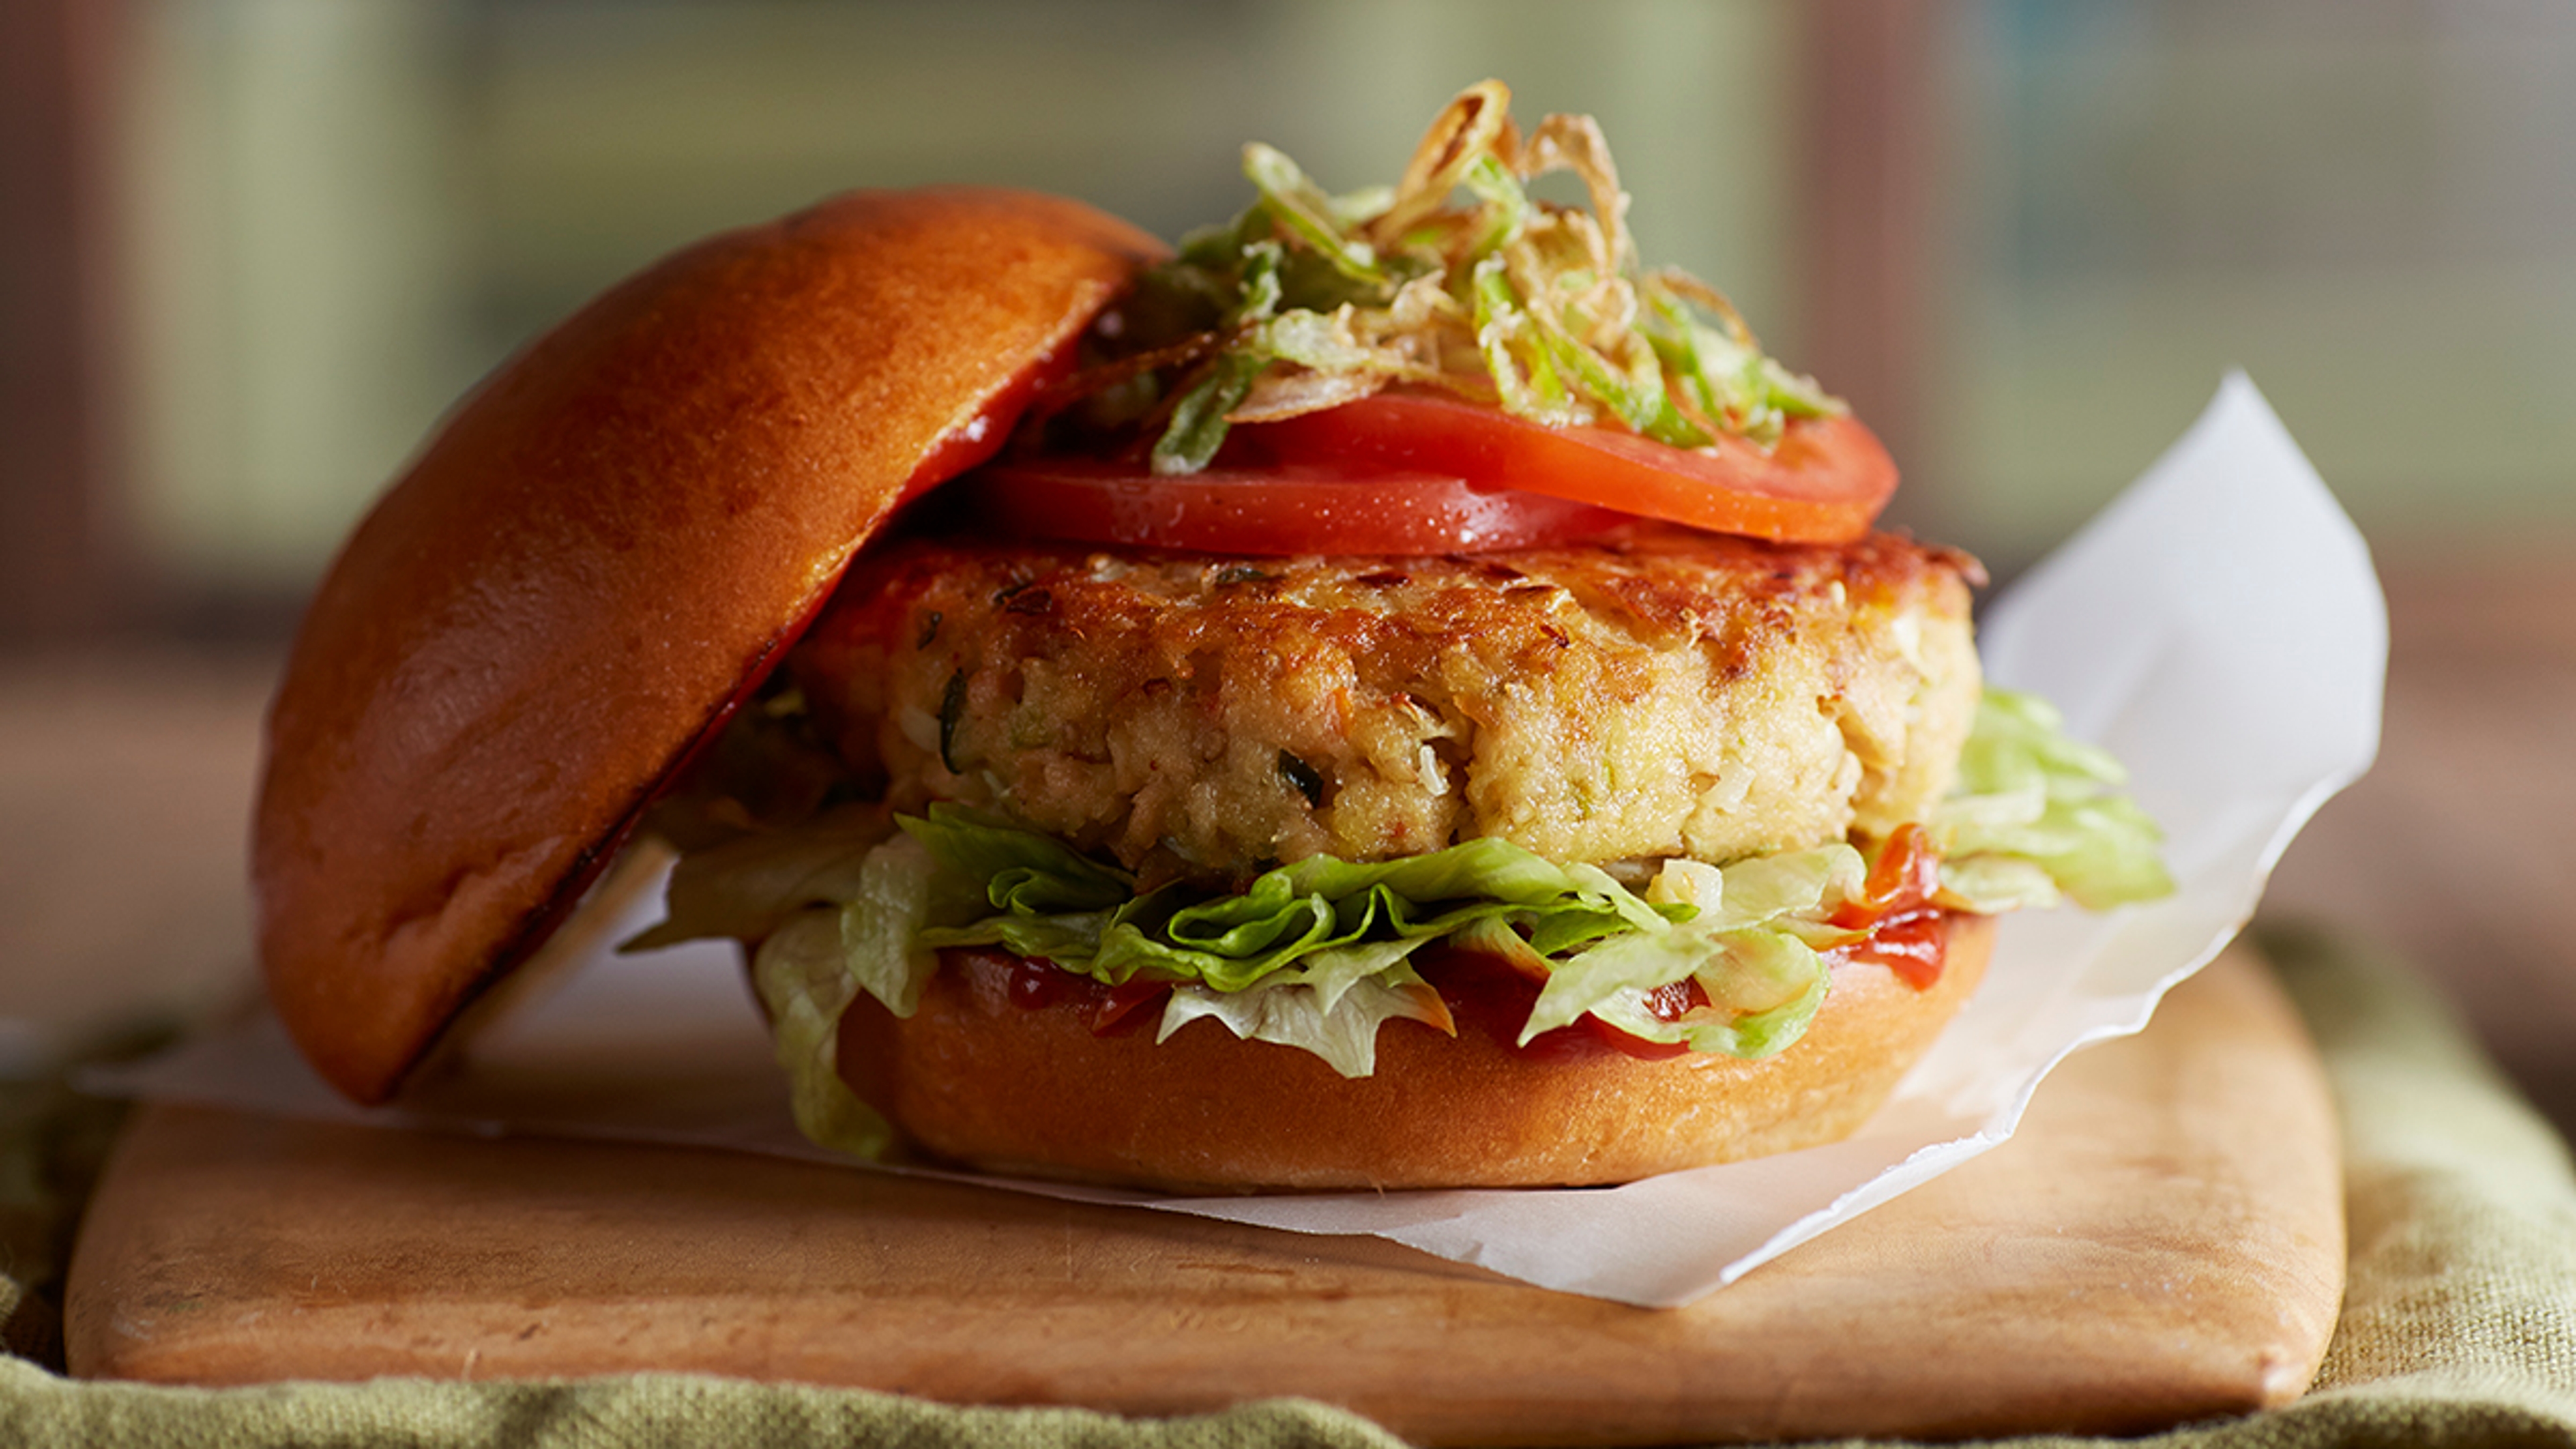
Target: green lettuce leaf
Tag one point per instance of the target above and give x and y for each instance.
(884, 921)
(1332, 1007)
(803, 977)
(1751, 964)
(2036, 813)
(744, 887)
(1307, 953)
(1763, 980)
(1230, 942)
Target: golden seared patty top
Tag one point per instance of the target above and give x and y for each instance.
(1672, 693)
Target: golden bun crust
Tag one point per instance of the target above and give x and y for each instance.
(603, 547)
(976, 1079)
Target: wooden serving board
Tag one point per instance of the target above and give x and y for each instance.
(2162, 1241)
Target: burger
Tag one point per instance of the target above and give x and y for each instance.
(1390, 694)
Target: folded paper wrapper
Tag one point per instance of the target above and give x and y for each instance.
(2218, 628)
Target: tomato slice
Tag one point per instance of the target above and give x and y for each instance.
(1277, 510)
(1824, 481)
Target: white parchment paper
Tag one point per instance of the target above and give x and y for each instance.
(2218, 627)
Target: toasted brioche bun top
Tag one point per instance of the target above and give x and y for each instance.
(604, 547)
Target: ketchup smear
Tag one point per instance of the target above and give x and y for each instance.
(1036, 985)
(1895, 907)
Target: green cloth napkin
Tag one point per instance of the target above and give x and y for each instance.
(2459, 1323)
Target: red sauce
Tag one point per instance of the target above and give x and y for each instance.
(1900, 883)
(1035, 985)
(1911, 945)
(1906, 931)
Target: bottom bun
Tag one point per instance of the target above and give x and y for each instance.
(977, 1078)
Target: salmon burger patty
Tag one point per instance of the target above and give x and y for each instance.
(1667, 693)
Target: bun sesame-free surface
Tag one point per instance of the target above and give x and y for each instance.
(606, 544)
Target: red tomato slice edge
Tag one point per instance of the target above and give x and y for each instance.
(1824, 482)
(1277, 510)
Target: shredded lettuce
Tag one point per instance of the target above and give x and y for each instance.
(746, 886)
(1456, 278)
(1763, 981)
(1332, 1006)
(803, 977)
(1285, 918)
(1315, 954)
(2035, 814)
(883, 921)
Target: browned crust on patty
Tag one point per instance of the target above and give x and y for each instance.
(1671, 694)
(592, 557)
(977, 1079)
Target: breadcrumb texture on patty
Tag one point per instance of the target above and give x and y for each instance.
(1668, 693)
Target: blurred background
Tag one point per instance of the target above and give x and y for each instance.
(250, 249)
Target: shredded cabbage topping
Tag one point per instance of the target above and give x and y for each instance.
(1455, 278)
